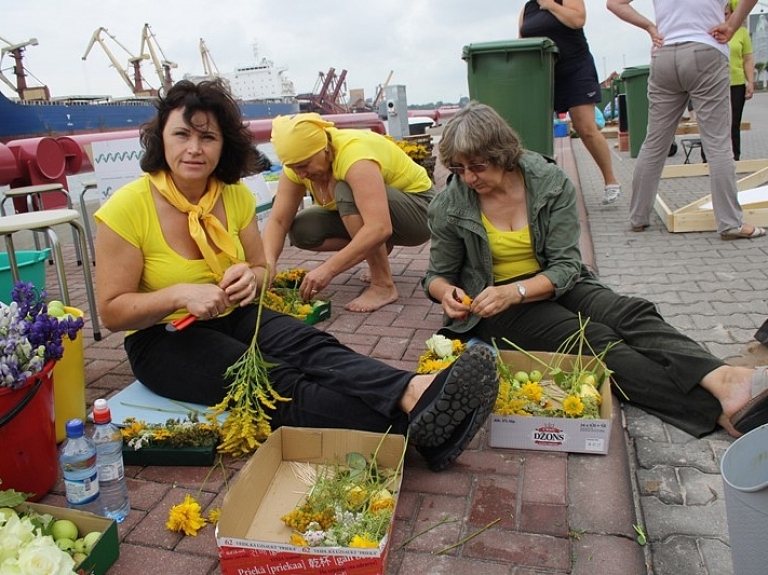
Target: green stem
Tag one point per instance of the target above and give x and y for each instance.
(427, 530)
(468, 537)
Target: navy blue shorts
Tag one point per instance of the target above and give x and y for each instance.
(576, 84)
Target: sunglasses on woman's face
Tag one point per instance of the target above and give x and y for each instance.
(474, 168)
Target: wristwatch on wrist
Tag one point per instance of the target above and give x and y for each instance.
(521, 291)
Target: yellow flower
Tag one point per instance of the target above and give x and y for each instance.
(573, 406)
(363, 542)
(298, 540)
(382, 500)
(356, 496)
(213, 516)
(186, 517)
(532, 391)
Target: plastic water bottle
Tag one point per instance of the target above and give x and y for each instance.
(109, 447)
(77, 458)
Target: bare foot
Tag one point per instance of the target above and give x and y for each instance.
(372, 299)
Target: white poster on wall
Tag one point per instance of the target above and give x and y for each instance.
(116, 163)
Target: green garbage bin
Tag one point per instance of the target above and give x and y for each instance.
(516, 78)
(636, 88)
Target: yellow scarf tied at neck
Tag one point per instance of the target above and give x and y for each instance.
(202, 223)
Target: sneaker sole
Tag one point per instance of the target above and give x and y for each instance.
(472, 384)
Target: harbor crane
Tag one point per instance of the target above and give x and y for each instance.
(137, 84)
(209, 66)
(162, 67)
(20, 86)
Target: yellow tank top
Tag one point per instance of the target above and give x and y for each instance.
(512, 252)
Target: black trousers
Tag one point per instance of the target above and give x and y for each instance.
(329, 384)
(654, 365)
(738, 97)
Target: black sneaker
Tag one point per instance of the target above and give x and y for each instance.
(467, 388)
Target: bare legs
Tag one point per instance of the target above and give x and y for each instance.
(583, 118)
(382, 290)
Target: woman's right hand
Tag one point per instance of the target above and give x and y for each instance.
(206, 301)
(453, 303)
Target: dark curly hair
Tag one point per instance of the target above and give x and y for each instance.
(239, 156)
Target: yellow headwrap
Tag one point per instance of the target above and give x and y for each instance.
(299, 136)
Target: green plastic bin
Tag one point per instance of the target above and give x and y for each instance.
(636, 88)
(516, 78)
(31, 269)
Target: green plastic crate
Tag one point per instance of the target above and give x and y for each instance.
(31, 269)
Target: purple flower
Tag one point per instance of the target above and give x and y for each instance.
(29, 337)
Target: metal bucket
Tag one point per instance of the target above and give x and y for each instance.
(744, 468)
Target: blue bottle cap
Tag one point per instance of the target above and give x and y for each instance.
(75, 428)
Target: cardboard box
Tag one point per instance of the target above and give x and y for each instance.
(106, 550)
(250, 535)
(551, 433)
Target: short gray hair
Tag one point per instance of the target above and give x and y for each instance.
(477, 130)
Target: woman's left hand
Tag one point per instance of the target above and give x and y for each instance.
(240, 284)
(494, 300)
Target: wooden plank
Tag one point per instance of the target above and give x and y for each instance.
(753, 180)
(684, 129)
(696, 170)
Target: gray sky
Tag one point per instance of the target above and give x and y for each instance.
(421, 41)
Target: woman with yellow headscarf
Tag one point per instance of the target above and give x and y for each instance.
(368, 196)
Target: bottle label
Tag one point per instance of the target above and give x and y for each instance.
(111, 471)
(81, 491)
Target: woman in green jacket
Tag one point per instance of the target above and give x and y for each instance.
(505, 233)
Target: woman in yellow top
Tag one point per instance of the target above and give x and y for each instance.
(368, 196)
(742, 77)
(183, 239)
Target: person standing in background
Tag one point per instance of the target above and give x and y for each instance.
(577, 88)
(689, 60)
(742, 77)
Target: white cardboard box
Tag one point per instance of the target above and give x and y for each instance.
(250, 535)
(551, 433)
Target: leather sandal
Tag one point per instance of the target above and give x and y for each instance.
(470, 383)
(740, 234)
(755, 412)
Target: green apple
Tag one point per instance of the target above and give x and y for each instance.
(6, 513)
(91, 539)
(64, 529)
(79, 546)
(65, 544)
(535, 375)
(521, 377)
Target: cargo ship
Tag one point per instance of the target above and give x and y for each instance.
(262, 91)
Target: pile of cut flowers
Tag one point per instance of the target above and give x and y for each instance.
(176, 433)
(347, 505)
(284, 295)
(549, 390)
(30, 337)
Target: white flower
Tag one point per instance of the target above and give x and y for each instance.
(440, 345)
(43, 557)
(23, 551)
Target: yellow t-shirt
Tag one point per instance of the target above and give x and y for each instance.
(740, 46)
(130, 212)
(512, 252)
(397, 168)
